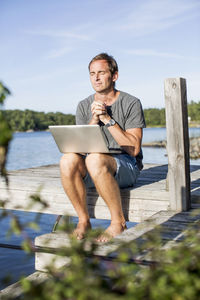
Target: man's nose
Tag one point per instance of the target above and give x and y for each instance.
(97, 76)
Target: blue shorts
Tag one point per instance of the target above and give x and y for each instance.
(126, 174)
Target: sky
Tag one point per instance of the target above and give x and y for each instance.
(45, 48)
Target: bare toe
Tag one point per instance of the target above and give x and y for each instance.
(112, 231)
(81, 230)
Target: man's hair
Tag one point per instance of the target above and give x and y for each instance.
(112, 64)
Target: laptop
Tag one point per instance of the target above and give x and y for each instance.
(80, 139)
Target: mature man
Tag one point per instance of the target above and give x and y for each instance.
(121, 119)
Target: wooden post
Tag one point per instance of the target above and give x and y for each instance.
(177, 143)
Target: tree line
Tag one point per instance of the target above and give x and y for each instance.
(19, 120)
(156, 117)
(194, 111)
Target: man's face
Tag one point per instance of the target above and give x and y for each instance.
(101, 77)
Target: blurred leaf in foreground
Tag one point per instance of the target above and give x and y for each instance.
(5, 132)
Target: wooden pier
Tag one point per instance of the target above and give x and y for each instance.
(164, 194)
(156, 212)
(149, 196)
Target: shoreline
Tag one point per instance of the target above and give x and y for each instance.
(194, 146)
(196, 125)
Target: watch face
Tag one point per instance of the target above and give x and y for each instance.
(110, 123)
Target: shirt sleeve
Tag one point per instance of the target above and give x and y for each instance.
(80, 115)
(135, 116)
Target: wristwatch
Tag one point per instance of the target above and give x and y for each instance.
(110, 123)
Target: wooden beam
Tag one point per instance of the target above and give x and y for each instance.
(177, 143)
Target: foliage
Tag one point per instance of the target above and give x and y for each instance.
(25, 120)
(154, 116)
(4, 92)
(171, 274)
(194, 111)
(19, 120)
(5, 131)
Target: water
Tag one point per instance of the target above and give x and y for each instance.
(34, 149)
(15, 263)
(159, 155)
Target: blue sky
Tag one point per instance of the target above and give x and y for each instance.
(46, 47)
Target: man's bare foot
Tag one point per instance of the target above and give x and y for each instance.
(81, 229)
(113, 230)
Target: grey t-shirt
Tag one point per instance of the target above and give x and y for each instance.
(126, 111)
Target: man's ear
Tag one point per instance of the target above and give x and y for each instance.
(115, 77)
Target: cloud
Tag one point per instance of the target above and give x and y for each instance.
(61, 37)
(155, 15)
(155, 53)
(55, 53)
(151, 52)
(59, 34)
(47, 76)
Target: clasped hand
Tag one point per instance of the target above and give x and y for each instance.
(99, 111)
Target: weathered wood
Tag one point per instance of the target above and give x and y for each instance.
(145, 199)
(59, 239)
(177, 143)
(173, 226)
(15, 291)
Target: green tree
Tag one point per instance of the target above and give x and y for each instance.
(20, 120)
(154, 116)
(194, 111)
(5, 131)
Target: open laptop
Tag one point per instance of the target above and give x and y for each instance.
(80, 139)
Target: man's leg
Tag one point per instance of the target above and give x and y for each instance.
(73, 170)
(102, 169)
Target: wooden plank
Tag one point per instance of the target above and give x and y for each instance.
(15, 291)
(33, 183)
(177, 143)
(60, 239)
(175, 226)
(139, 203)
(59, 204)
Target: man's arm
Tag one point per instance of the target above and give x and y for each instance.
(130, 139)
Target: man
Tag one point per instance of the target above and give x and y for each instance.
(121, 118)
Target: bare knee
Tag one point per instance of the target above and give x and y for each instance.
(71, 163)
(98, 164)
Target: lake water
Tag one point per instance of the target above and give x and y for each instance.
(33, 149)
